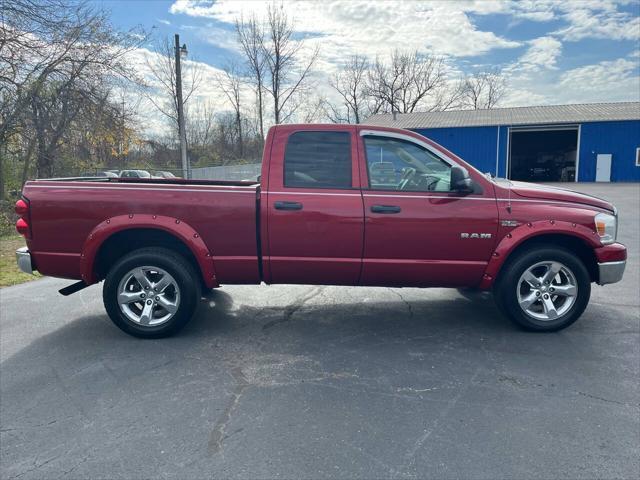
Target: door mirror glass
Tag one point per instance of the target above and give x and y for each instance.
(460, 180)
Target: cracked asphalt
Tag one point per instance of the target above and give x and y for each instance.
(324, 382)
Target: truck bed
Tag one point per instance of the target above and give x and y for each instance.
(65, 212)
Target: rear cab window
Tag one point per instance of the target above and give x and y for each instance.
(318, 159)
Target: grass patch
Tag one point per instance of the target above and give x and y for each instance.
(9, 272)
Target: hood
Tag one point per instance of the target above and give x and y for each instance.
(536, 191)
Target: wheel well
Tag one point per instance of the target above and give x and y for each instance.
(126, 241)
(576, 246)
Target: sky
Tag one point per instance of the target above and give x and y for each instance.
(551, 52)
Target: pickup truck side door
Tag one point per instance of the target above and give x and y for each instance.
(314, 210)
(417, 231)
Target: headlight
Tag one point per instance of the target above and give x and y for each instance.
(607, 227)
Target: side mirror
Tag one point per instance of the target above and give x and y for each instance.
(460, 180)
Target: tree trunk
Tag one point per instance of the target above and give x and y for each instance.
(239, 127)
(27, 162)
(3, 178)
(276, 94)
(44, 166)
(260, 114)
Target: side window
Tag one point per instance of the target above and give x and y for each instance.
(395, 164)
(318, 160)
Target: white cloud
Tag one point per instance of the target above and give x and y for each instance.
(620, 77)
(534, 11)
(364, 27)
(609, 81)
(543, 52)
(219, 37)
(582, 18)
(590, 23)
(538, 16)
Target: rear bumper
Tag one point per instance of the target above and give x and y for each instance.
(23, 259)
(610, 272)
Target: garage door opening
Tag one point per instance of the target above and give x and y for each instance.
(543, 155)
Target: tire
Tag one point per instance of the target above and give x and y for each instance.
(522, 295)
(161, 313)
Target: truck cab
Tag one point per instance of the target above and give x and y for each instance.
(398, 225)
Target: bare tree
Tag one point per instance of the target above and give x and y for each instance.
(312, 108)
(286, 76)
(162, 66)
(350, 83)
(251, 38)
(336, 113)
(410, 82)
(483, 90)
(230, 83)
(201, 124)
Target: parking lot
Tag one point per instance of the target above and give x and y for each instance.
(324, 382)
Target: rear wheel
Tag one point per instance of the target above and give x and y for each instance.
(151, 293)
(544, 289)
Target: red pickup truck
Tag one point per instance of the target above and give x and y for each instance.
(335, 205)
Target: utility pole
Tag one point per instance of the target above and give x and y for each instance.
(122, 159)
(186, 171)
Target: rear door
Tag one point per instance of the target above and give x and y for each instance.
(417, 231)
(314, 207)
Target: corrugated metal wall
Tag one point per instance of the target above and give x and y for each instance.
(617, 138)
(479, 146)
(476, 145)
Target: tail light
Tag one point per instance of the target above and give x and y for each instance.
(22, 225)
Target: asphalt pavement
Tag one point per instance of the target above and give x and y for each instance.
(324, 382)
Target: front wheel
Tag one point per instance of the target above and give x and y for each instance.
(151, 293)
(544, 289)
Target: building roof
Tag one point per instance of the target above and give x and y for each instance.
(548, 114)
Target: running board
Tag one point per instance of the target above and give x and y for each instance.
(73, 288)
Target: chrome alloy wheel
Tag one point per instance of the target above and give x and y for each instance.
(148, 296)
(547, 290)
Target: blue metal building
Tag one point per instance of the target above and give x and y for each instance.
(586, 142)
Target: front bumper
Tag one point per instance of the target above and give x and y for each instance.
(611, 259)
(23, 259)
(610, 272)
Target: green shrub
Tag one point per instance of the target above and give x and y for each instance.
(7, 218)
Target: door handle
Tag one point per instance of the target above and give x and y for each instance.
(385, 209)
(288, 205)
